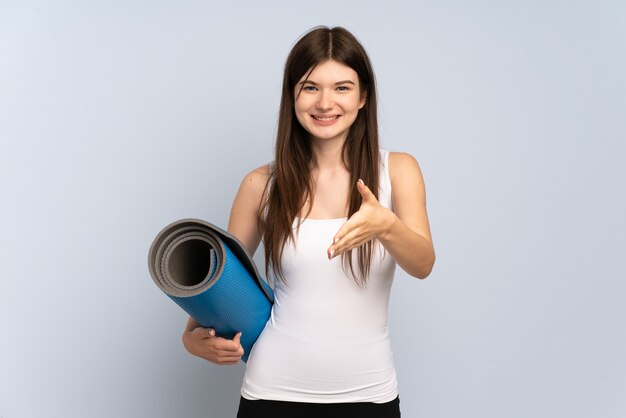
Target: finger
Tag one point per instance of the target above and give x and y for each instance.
(204, 332)
(224, 344)
(228, 361)
(350, 241)
(354, 222)
(233, 345)
(331, 252)
(365, 192)
(351, 226)
(229, 356)
(237, 340)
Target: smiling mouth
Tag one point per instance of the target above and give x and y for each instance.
(325, 118)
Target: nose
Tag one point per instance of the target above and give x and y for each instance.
(324, 101)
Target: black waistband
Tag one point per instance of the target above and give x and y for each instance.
(282, 409)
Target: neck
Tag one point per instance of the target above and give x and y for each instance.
(328, 153)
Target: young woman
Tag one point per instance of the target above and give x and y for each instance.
(336, 214)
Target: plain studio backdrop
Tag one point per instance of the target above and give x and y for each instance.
(117, 118)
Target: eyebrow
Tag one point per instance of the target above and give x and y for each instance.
(336, 84)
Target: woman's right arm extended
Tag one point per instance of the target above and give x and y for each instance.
(243, 223)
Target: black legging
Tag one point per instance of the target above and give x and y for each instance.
(280, 409)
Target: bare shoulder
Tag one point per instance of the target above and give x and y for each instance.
(403, 166)
(255, 182)
(259, 175)
(262, 171)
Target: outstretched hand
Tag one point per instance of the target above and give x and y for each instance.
(371, 221)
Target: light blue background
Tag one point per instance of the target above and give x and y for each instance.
(117, 118)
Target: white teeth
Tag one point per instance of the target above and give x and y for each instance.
(329, 118)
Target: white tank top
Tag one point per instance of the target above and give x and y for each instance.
(327, 339)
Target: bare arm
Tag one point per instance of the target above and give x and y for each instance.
(243, 222)
(408, 237)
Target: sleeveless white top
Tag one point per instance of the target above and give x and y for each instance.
(327, 339)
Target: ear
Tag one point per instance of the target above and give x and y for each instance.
(363, 100)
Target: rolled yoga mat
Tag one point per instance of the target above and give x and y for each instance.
(209, 274)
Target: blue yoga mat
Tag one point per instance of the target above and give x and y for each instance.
(209, 274)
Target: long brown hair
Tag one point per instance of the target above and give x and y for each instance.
(290, 183)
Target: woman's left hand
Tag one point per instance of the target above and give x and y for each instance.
(371, 221)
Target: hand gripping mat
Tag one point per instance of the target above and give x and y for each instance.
(209, 274)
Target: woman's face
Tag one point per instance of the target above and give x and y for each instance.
(328, 100)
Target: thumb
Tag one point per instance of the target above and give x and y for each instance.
(237, 338)
(208, 332)
(365, 192)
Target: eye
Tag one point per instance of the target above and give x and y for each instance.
(343, 88)
(309, 87)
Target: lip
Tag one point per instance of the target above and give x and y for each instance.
(325, 120)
